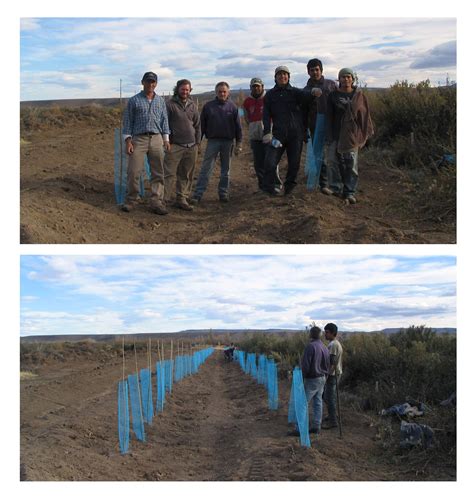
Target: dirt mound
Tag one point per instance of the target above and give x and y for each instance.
(67, 196)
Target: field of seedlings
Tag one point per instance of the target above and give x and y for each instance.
(407, 184)
(221, 421)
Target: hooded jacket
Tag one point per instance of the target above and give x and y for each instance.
(355, 126)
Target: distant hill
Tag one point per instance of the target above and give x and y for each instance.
(110, 102)
(200, 333)
(115, 101)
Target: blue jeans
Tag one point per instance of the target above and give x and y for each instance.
(223, 148)
(314, 389)
(343, 172)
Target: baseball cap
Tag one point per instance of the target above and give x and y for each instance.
(149, 75)
(256, 81)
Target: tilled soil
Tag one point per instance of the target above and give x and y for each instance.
(67, 196)
(216, 426)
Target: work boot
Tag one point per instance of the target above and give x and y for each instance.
(329, 425)
(183, 204)
(159, 208)
(351, 199)
(289, 188)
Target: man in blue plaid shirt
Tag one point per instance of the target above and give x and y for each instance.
(146, 132)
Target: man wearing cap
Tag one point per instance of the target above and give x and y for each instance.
(220, 123)
(349, 125)
(284, 128)
(319, 106)
(253, 114)
(146, 132)
(180, 159)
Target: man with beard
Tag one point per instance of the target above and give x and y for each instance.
(318, 107)
(180, 160)
(253, 114)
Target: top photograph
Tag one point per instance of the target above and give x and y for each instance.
(238, 130)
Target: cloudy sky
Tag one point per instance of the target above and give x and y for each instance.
(86, 57)
(129, 294)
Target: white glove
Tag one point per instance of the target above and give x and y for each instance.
(267, 138)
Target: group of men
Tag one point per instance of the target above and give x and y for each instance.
(321, 367)
(169, 134)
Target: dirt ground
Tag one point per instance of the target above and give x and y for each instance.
(67, 196)
(215, 426)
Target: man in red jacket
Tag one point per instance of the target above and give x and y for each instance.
(253, 115)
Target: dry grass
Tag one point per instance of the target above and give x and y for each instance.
(27, 375)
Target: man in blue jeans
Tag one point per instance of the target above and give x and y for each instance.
(315, 369)
(220, 123)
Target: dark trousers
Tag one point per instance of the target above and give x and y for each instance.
(293, 148)
(259, 150)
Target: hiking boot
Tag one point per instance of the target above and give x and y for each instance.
(195, 200)
(224, 199)
(159, 208)
(329, 425)
(327, 191)
(351, 199)
(293, 433)
(183, 204)
(126, 207)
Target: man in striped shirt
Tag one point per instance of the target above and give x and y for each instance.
(146, 132)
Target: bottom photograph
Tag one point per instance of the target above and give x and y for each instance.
(238, 368)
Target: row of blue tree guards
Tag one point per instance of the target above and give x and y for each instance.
(265, 371)
(120, 169)
(136, 393)
(298, 413)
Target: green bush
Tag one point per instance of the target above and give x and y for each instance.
(415, 362)
(416, 122)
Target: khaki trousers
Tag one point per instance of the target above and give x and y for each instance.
(152, 146)
(180, 164)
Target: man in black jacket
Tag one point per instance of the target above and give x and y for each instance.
(284, 128)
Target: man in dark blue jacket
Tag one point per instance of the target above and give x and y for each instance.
(220, 123)
(284, 128)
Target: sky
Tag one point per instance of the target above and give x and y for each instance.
(87, 57)
(130, 294)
